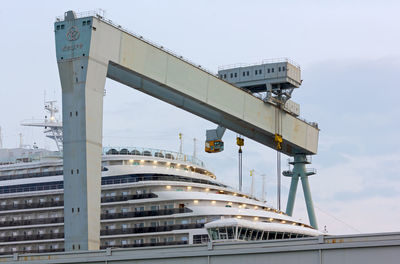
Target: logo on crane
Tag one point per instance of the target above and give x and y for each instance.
(73, 33)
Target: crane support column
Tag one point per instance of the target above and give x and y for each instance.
(82, 83)
(309, 202)
(300, 171)
(292, 194)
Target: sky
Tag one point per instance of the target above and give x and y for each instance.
(350, 61)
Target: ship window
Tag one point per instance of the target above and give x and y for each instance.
(260, 71)
(169, 222)
(154, 207)
(231, 75)
(138, 241)
(279, 68)
(244, 73)
(88, 22)
(271, 235)
(248, 73)
(235, 74)
(138, 225)
(272, 70)
(224, 76)
(169, 206)
(139, 209)
(283, 68)
(84, 23)
(58, 27)
(268, 70)
(62, 26)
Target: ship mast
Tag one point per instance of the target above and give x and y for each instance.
(52, 126)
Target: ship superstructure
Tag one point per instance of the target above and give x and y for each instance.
(149, 197)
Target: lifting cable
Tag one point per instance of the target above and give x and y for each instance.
(240, 143)
(278, 141)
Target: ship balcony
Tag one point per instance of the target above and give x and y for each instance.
(150, 229)
(55, 220)
(106, 232)
(146, 213)
(171, 243)
(120, 198)
(32, 251)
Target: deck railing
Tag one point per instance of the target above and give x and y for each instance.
(150, 152)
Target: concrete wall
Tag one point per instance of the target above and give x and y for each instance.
(352, 249)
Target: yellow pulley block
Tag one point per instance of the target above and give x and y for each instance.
(278, 140)
(240, 141)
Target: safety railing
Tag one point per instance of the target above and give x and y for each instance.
(7, 207)
(171, 243)
(150, 229)
(120, 198)
(146, 213)
(32, 251)
(150, 152)
(32, 237)
(55, 220)
(100, 15)
(265, 61)
(39, 221)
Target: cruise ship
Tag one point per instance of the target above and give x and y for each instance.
(149, 197)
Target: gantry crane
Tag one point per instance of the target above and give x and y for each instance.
(91, 48)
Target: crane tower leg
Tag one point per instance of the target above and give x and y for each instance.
(300, 171)
(292, 194)
(309, 202)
